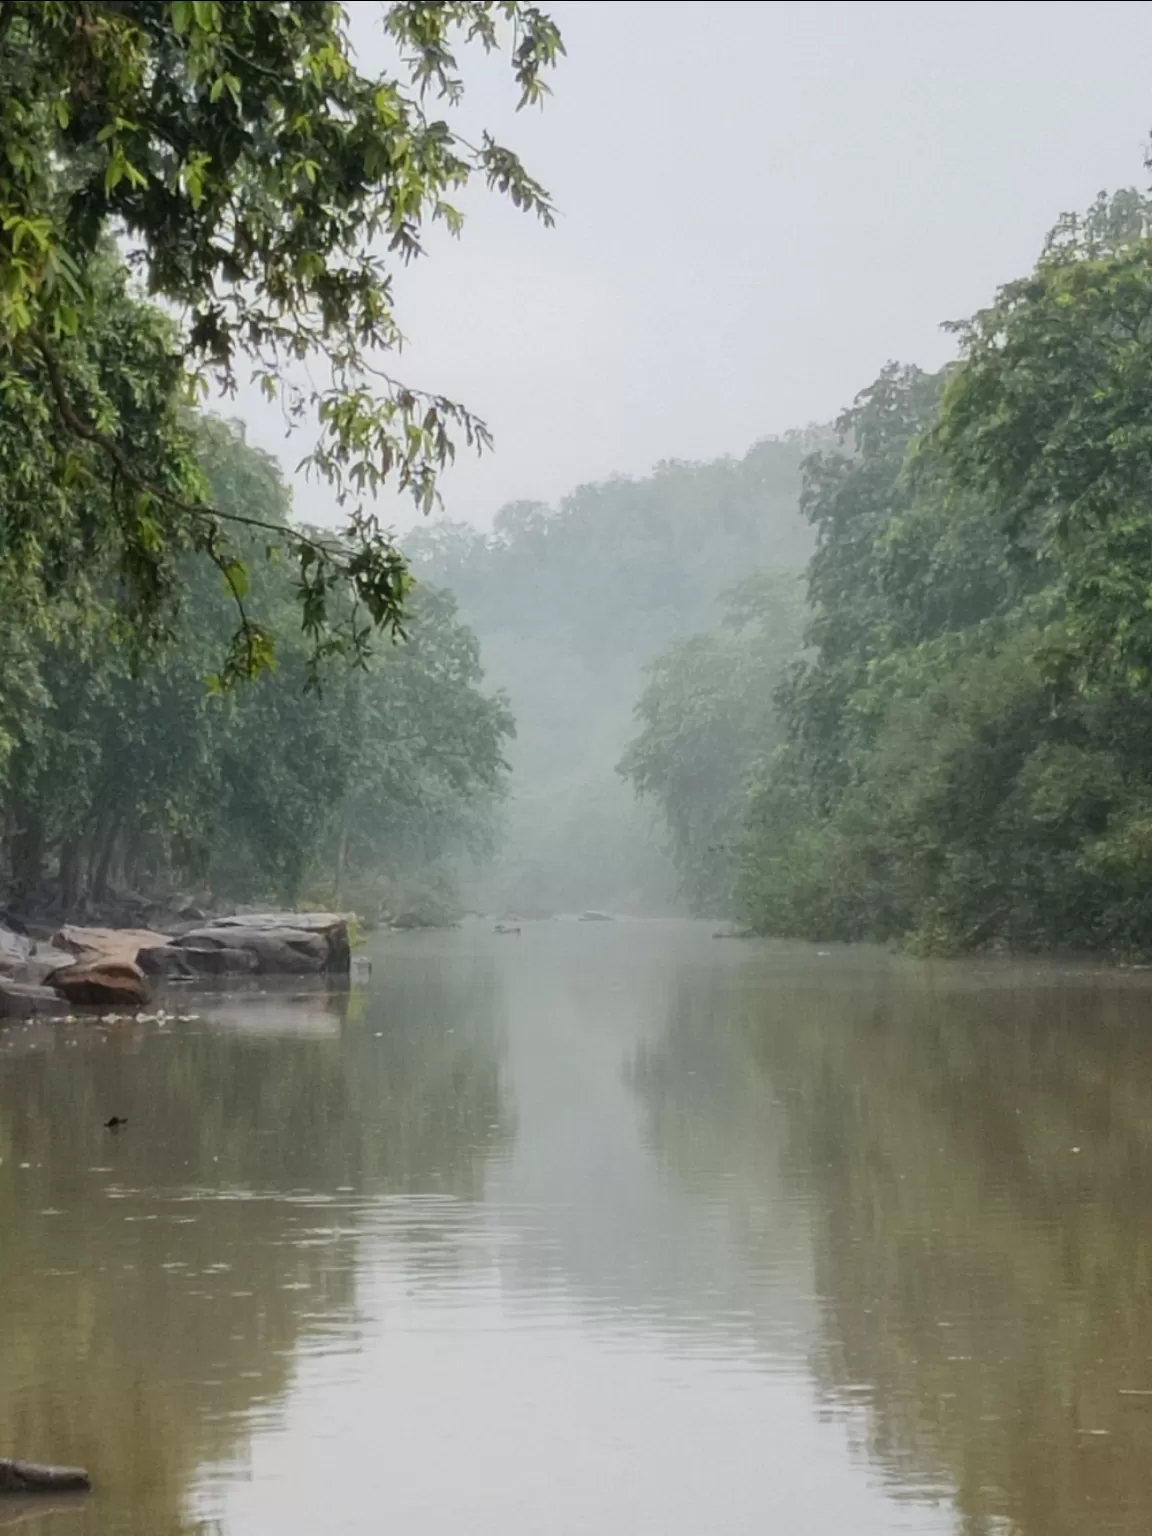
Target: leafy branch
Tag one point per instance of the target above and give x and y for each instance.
(266, 188)
(323, 564)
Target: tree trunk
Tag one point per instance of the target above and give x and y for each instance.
(133, 864)
(99, 881)
(28, 859)
(70, 874)
(341, 866)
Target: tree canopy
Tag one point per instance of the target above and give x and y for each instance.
(264, 189)
(961, 755)
(707, 715)
(123, 772)
(969, 744)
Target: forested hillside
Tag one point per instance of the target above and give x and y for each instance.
(963, 756)
(569, 604)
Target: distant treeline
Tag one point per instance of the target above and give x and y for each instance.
(957, 750)
(569, 603)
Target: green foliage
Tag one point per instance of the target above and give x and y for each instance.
(1051, 418)
(968, 756)
(706, 715)
(267, 190)
(125, 769)
(63, 515)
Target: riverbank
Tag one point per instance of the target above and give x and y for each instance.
(89, 967)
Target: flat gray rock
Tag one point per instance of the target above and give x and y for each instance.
(186, 962)
(287, 943)
(308, 922)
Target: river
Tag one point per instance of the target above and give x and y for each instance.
(605, 1229)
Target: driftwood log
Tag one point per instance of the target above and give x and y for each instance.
(31, 1477)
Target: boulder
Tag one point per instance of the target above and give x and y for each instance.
(160, 960)
(287, 950)
(116, 944)
(22, 1000)
(31, 1477)
(116, 983)
(186, 962)
(14, 950)
(291, 943)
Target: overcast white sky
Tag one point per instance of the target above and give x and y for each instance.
(760, 204)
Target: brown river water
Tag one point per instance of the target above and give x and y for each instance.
(606, 1230)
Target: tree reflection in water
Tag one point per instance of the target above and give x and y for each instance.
(156, 1286)
(971, 1143)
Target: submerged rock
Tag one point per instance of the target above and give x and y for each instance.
(32, 1477)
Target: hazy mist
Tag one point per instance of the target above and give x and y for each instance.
(759, 206)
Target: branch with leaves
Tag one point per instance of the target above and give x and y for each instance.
(267, 190)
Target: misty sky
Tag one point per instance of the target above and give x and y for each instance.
(760, 204)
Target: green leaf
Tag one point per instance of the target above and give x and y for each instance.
(236, 576)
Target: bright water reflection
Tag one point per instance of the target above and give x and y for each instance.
(605, 1229)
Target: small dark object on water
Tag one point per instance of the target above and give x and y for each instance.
(31, 1477)
(117, 1123)
(507, 928)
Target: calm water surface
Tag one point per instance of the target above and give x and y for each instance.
(606, 1230)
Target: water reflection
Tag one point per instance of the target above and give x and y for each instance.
(975, 1143)
(970, 1144)
(157, 1286)
(610, 1228)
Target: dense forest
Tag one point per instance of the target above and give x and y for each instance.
(959, 752)
(129, 768)
(202, 698)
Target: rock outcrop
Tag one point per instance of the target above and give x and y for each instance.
(111, 967)
(103, 983)
(90, 945)
(23, 974)
(186, 962)
(260, 943)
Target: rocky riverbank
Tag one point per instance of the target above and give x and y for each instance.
(79, 967)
